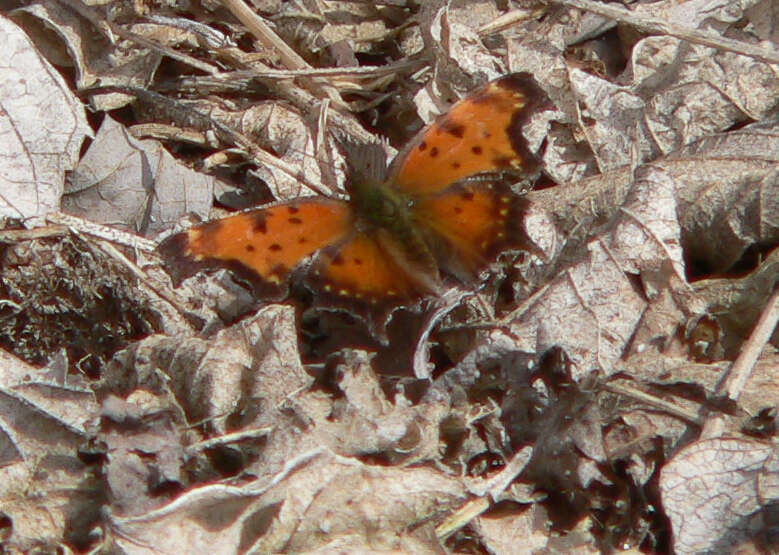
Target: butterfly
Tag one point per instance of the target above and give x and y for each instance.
(440, 209)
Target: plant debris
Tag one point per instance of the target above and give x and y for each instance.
(614, 390)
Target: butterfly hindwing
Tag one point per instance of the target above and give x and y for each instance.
(262, 245)
(369, 276)
(359, 269)
(471, 223)
(481, 133)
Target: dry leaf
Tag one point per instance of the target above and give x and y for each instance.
(318, 499)
(47, 494)
(134, 184)
(44, 125)
(720, 494)
(88, 47)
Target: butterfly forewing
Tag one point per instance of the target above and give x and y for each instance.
(481, 133)
(263, 245)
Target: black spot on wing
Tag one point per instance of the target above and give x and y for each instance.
(452, 128)
(260, 225)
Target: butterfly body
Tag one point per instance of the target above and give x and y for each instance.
(379, 206)
(402, 230)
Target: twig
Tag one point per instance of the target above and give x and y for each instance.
(656, 25)
(109, 29)
(470, 510)
(110, 234)
(651, 400)
(489, 492)
(226, 439)
(164, 50)
(733, 382)
(507, 20)
(11, 236)
(739, 373)
(361, 71)
(267, 37)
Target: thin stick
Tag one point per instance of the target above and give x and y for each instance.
(739, 373)
(656, 402)
(100, 231)
(656, 25)
(257, 27)
(733, 383)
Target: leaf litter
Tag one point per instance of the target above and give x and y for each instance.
(614, 391)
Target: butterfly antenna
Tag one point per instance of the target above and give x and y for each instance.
(367, 160)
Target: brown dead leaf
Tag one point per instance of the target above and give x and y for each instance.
(134, 184)
(453, 32)
(144, 452)
(82, 43)
(736, 303)
(44, 125)
(251, 367)
(519, 532)
(721, 493)
(319, 499)
(730, 195)
(288, 134)
(47, 493)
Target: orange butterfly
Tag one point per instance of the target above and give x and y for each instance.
(389, 244)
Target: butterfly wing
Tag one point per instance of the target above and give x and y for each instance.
(481, 133)
(262, 245)
(370, 275)
(471, 223)
(360, 270)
